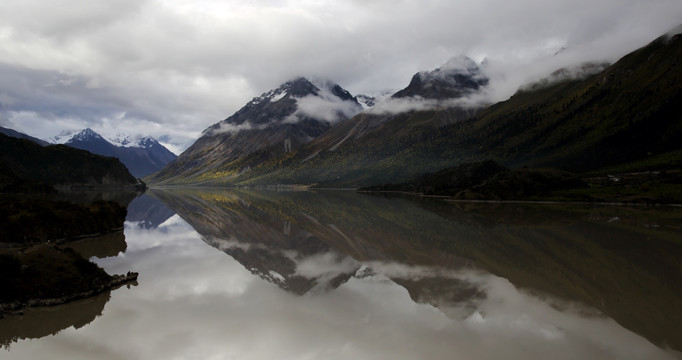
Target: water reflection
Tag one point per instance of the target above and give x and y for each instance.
(40, 322)
(622, 261)
(384, 278)
(147, 212)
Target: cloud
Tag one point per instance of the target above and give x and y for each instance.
(176, 67)
(567, 73)
(389, 105)
(324, 106)
(225, 127)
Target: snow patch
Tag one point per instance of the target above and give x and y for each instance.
(276, 276)
(278, 97)
(121, 139)
(63, 137)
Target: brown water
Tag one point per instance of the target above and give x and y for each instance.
(340, 275)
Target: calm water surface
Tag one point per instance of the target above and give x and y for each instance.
(340, 275)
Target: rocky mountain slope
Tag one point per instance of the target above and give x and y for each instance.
(272, 125)
(142, 156)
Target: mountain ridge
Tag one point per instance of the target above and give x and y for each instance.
(20, 135)
(278, 122)
(625, 114)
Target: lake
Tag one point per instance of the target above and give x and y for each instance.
(228, 274)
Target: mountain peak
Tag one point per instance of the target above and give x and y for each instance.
(458, 77)
(300, 87)
(292, 102)
(62, 137)
(121, 139)
(86, 135)
(124, 140)
(459, 64)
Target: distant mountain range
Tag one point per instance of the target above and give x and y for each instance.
(142, 156)
(623, 117)
(28, 167)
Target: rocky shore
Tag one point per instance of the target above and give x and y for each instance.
(45, 246)
(17, 307)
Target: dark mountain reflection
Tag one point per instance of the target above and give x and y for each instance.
(146, 212)
(622, 261)
(264, 241)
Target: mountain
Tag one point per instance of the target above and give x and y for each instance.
(458, 77)
(16, 134)
(272, 125)
(62, 137)
(89, 140)
(624, 118)
(60, 165)
(352, 152)
(142, 156)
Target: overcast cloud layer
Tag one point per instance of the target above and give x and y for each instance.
(172, 68)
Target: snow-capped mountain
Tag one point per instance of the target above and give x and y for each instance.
(276, 122)
(458, 77)
(298, 101)
(121, 139)
(124, 140)
(62, 137)
(141, 155)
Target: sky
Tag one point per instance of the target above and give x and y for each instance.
(171, 68)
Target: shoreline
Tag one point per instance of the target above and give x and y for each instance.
(17, 307)
(519, 201)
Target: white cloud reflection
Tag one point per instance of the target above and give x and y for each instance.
(195, 302)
